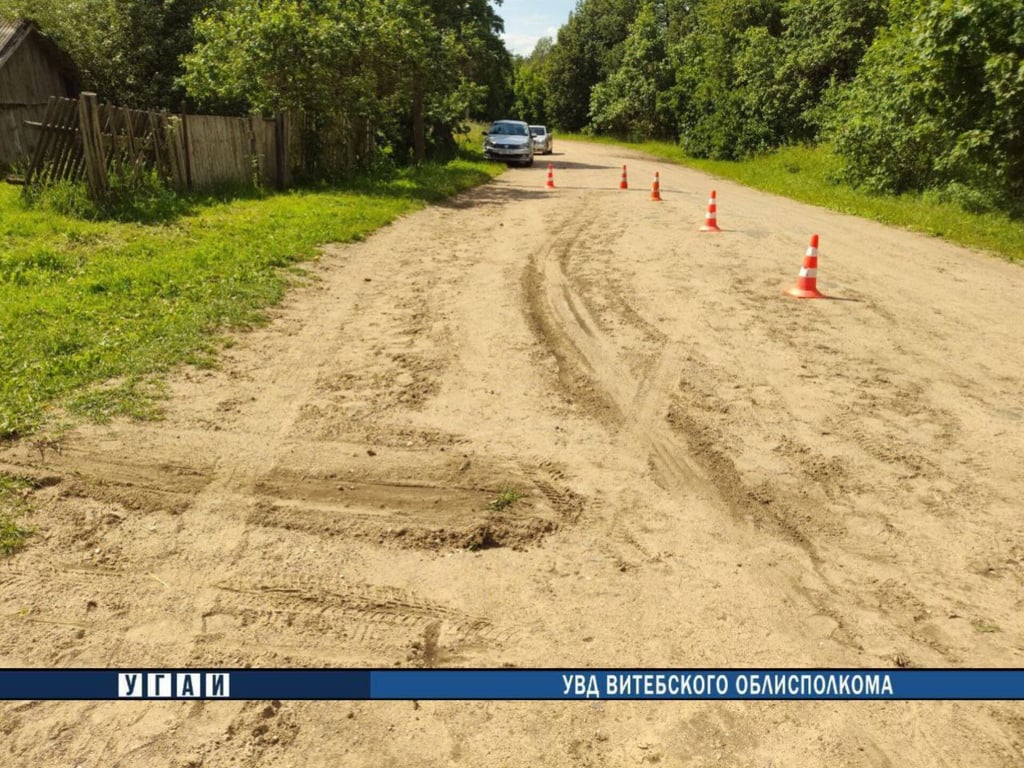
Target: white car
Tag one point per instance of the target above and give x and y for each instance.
(509, 141)
(541, 139)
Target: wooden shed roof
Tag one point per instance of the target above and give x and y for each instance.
(14, 33)
(11, 35)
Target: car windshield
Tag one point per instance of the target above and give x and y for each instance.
(508, 129)
(537, 130)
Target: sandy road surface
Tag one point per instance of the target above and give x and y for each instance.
(711, 475)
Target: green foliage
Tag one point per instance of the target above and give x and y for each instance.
(588, 50)
(635, 100)
(753, 74)
(505, 499)
(886, 147)
(12, 505)
(138, 195)
(276, 55)
(64, 198)
(12, 535)
(412, 69)
(485, 63)
(939, 102)
(151, 39)
(720, 62)
(729, 77)
(92, 309)
(128, 50)
(824, 42)
(134, 398)
(914, 94)
(530, 84)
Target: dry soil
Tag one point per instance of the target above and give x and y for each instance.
(709, 474)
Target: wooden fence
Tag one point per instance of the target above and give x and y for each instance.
(333, 147)
(16, 141)
(79, 138)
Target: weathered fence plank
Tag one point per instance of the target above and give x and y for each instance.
(92, 146)
(82, 139)
(51, 110)
(67, 141)
(173, 131)
(18, 144)
(281, 180)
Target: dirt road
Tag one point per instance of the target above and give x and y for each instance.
(710, 475)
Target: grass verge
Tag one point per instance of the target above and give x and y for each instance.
(92, 311)
(808, 174)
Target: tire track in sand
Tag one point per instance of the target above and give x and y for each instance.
(592, 371)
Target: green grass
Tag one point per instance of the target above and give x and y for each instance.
(92, 312)
(985, 627)
(808, 174)
(12, 505)
(506, 498)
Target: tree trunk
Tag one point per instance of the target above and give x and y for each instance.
(419, 132)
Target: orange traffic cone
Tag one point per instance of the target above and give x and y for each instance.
(711, 217)
(656, 188)
(807, 284)
(551, 177)
(624, 184)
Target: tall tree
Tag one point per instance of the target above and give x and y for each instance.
(281, 54)
(589, 49)
(727, 46)
(129, 51)
(153, 36)
(754, 74)
(530, 83)
(823, 43)
(636, 99)
(939, 102)
(412, 69)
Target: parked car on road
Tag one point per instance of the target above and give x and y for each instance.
(541, 139)
(509, 141)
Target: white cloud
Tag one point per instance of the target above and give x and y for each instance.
(527, 21)
(524, 44)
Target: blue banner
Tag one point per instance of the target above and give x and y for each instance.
(513, 684)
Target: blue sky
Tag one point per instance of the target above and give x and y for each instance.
(526, 21)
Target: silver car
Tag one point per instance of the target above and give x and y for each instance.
(542, 142)
(509, 141)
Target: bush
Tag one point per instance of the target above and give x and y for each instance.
(142, 197)
(969, 199)
(753, 74)
(938, 103)
(134, 196)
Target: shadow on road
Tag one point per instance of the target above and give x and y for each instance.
(493, 194)
(569, 164)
